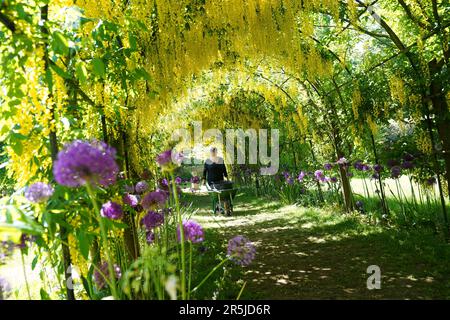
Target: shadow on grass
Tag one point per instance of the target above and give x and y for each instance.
(315, 254)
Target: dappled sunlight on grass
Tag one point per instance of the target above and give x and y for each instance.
(319, 253)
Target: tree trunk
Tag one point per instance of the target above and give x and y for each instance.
(54, 152)
(441, 111)
(346, 188)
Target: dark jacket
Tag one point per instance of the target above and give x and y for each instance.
(214, 172)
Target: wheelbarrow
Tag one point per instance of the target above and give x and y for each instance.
(222, 195)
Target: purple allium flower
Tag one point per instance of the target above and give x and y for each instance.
(146, 174)
(392, 163)
(193, 232)
(408, 157)
(164, 158)
(5, 288)
(241, 250)
(178, 180)
(82, 162)
(195, 179)
(111, 210)
(328, 166)
(155, 199)
(25, 239)
(101, 276)
(169, 160)
(359, 204)
(150, 237)
(130, 199)
(39, 192)
(378, 168)
(141, 187)
(358, 165)
(431, 181)
(333, 179)
(319, 175)
(152, 220)
(349, 174)
(407, 165)
(290, 181)
(396, 171)
(164, 182)
(301, 176)
(129, 189)
(342, 161)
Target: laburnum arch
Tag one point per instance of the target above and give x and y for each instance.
(127, 62)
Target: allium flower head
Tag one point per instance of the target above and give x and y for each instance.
(342, 161)
(25, 240)
(141, 187)
(111, 210)
(152, 220)
(431, 181)
(378, 168)
(358, 165)
(39, 192)
(150, 237)
(407, 165)
(408, 157)
(82, 162)
(328, 166)
(193, 232)
(392, 163)
(396, 171)
(195, 179)
(169, 160)
(359, 204)
(5, 288)
(301, 176)
(146, 174)
(241, 250)
(319, 175)
(154, 200)
(100, 277)
(178, 180)
(130, 199)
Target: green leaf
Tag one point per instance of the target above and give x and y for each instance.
(59, 71)
(142, 74)
(34, 262)
(44, 295)
(98, 67)
(60, 44)
(17, 146)
(81, 72)
(84, 242)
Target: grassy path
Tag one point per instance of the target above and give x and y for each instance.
(320, 254)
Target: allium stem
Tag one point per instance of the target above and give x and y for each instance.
(25, 275)
(105, 241)
(190, 270)
(180, 223)
(210, 274)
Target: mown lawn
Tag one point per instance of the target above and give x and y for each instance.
(313, 253)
